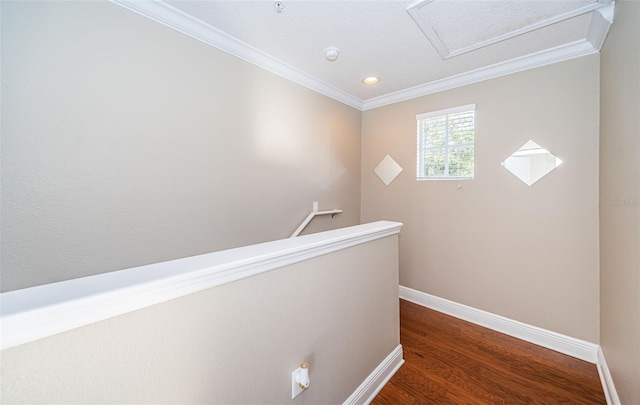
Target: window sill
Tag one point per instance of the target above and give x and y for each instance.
(443, 178)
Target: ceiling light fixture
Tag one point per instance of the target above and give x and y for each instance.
(331, 53)
(371, 80)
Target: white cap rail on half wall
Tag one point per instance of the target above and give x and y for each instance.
(45, 310)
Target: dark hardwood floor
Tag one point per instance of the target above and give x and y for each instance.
(450, 361)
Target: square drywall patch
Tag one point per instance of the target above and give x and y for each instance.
(387, 170)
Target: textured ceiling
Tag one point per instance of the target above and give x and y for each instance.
(455, 27)
(381, 38)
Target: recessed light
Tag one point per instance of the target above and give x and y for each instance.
(371, 80)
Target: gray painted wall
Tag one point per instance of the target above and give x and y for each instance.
(125, 143)
(527, 253)
(620, 201)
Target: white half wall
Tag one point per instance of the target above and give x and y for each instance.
(236, 343)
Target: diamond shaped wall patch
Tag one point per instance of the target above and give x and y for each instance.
(387, 170)
(531, 162)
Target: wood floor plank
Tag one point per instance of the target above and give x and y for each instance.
(394, 395)
(499, 374)
(469, 378)
(451, 361)
(507, 358)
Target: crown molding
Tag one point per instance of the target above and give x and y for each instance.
(601, 21)
(175, 19)
(558, 54)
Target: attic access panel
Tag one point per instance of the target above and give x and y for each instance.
(455, 27)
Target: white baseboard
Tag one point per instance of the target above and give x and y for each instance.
(610, 392)
(577, 348)
(370, 387)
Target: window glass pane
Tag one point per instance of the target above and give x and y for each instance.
(461, 162)
(434, 163)
(461, 129)
(435, 131)
(446, 143)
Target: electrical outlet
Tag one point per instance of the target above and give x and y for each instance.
(315, 206)
(295, 388)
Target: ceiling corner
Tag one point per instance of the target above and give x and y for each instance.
(547, 57)
(601, 22)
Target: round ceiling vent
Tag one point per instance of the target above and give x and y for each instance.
(331, 53)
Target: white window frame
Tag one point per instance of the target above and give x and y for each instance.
(421, 147)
